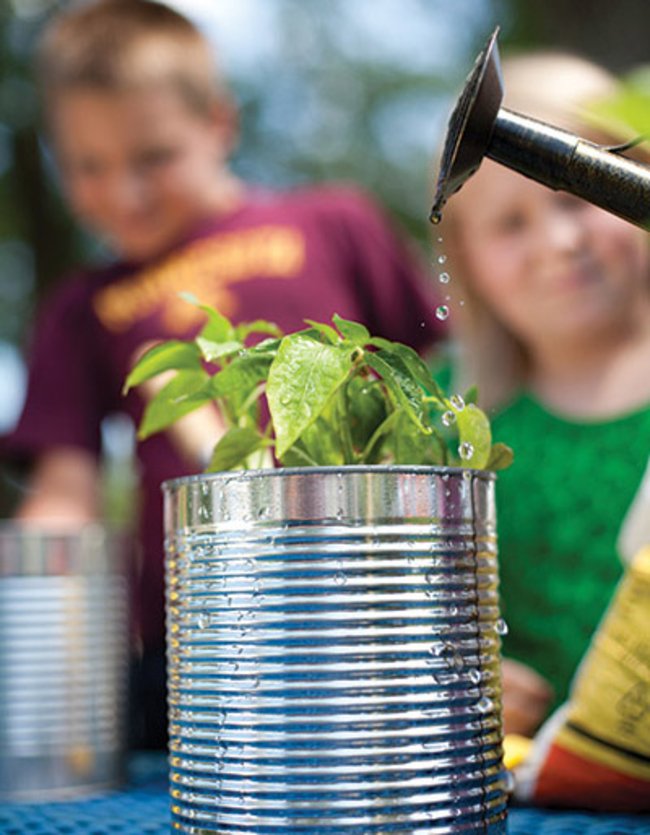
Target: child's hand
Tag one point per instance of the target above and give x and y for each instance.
(526, 698)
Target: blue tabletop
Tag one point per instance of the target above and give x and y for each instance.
(142, 808)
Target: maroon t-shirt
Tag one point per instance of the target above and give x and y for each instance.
(280, 257)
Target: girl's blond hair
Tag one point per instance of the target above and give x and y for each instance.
(120, 45)
(557, 88)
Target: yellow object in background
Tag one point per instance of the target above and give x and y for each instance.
(515, 750)
(594, 752)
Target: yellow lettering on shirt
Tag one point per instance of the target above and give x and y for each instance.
(206, 268)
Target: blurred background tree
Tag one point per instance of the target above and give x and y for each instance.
(345, 89)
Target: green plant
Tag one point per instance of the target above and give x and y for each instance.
(626, 111)
(336, 395)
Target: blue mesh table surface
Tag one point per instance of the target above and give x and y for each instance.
(142, 808)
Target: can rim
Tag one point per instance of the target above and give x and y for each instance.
(345, 469)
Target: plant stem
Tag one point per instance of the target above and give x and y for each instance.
(344, 423)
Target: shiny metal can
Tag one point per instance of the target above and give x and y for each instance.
(63, 662)
(333, 652)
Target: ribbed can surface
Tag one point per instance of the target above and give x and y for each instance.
(63, 662)
(333, 641)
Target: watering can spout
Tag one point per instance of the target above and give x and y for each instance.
(479, 127)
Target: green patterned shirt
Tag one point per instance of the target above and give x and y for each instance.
(560, 507)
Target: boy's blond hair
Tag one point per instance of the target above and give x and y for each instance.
(122, 45)
(557, 88)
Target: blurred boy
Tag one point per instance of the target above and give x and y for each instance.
(143, 127)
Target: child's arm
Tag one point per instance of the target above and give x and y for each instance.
(526, 698)
(64, 489)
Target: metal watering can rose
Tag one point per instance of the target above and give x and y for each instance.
(479, 127)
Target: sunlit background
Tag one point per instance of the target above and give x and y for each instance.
(329, 89)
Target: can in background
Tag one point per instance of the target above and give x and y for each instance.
(333, 652)
(64, 643)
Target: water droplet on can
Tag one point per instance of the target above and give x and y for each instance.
(484, 705)
(501, 627)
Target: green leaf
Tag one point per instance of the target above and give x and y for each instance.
(186, 392)
(267, 348)
(412, 446)
(297, 456)
(401, 384)
(473, 432)
(374, 450)
(302, 378)
(471, 395)
(217, 328)
(234, 448)
(501, 457)
(325, 330)
(241, 376)
(352, 331)
(367, 409)
(320, 443)
(417, 368)
(212, 351)
(259, 327)
(169, 356)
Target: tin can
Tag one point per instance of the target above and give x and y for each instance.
(333, 652)
(63, 662)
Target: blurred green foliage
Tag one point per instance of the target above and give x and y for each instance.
(630, 108)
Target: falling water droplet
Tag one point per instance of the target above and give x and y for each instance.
(448, 418)
(435, 218)
(442, 312)
(444, 278)
(442, 259)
